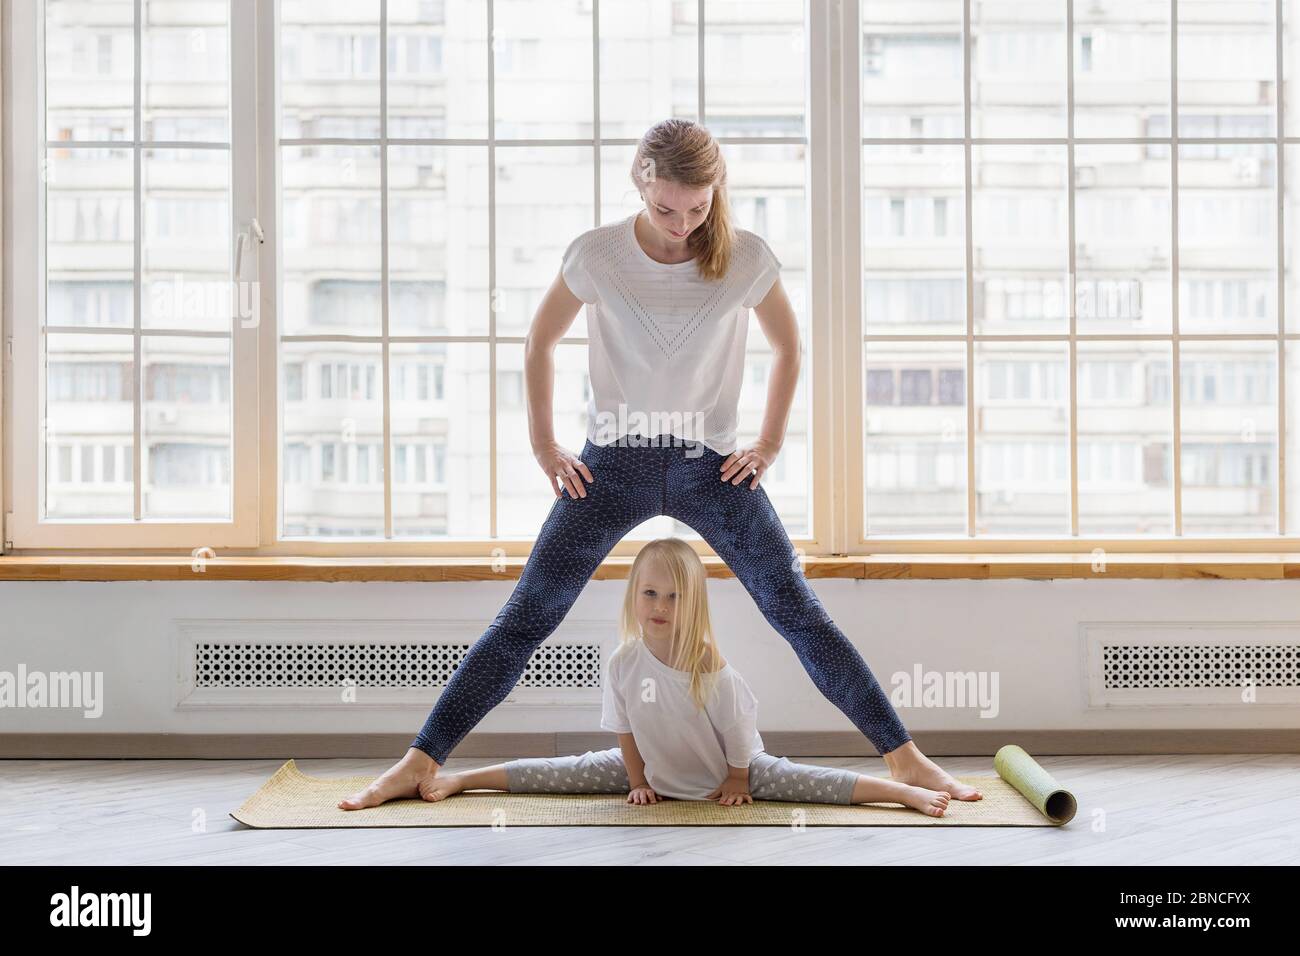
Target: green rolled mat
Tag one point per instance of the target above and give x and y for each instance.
(1037, 785)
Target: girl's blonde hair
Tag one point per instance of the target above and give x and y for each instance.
(693, 646)
(683, 152)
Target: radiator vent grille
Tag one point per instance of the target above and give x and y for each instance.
(1196, 665)
(332, 665)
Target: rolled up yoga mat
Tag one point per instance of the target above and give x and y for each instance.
(1034, 783)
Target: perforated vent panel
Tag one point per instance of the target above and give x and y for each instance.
(1215, 664)
(1200, 665)
(331, 665)
(1195, 665)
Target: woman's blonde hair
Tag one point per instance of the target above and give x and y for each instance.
(693, 646)
(683, 152)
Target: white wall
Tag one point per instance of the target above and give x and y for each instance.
(1027, 631)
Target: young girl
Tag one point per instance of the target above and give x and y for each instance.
(685, 718)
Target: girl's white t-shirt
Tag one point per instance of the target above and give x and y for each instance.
(687, 751)
(666, 349)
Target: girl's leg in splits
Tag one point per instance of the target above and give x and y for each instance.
(779, 778)
(599, 771)
(577, 535)
(743, 528)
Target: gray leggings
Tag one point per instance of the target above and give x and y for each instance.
(602, 771)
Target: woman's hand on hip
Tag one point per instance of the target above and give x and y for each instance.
(556, 460)
(749, 461)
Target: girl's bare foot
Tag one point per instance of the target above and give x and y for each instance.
(908, 765)
(930, 802)
(442, 786)
(872, 789)
(402, 780)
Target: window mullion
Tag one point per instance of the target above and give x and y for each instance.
(824, 527)
(385, 351)
(1072, 305)
(966, 47)
(699, 55)
(842, 368)
(267, 487)
(1175, 376)
(492, 269)
(1279, 188)
(24, 345)
(246, 458)
(137, 203)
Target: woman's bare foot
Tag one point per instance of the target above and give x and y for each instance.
(930, 802)
(403, 780)
(908, 765)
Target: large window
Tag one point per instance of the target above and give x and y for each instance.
(128, 176)
(274, 261)
(428, 188)
(1072, 212)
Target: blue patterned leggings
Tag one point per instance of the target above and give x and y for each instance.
(634, 483)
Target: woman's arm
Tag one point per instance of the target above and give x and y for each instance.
(777, 319)
(555, 314)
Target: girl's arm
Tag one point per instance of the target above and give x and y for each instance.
(737, 781)
(633, 762)
(734, 715)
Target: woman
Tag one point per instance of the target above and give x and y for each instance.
(673, 286)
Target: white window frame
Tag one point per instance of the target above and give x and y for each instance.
(834, 290)
(255, 148)
(25, 299)
(852, 336)
(819, 29)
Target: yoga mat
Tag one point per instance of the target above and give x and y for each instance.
(291, 799)
(1038, 786)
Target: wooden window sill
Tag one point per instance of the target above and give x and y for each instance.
(1257, 566)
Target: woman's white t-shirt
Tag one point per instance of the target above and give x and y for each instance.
(687, 751)
(666, 348)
